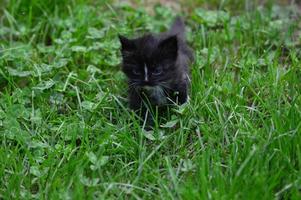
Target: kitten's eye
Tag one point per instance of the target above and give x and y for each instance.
(136, 72)
(157, 71)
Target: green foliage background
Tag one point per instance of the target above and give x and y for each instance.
(66, 132)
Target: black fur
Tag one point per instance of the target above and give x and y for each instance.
(157, 67)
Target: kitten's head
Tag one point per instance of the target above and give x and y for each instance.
(149, 60)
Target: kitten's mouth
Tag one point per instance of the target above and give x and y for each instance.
(155, 93)
(148, 88)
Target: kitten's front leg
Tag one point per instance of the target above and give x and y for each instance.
(182, 93)
(135, 101)
(137, 105)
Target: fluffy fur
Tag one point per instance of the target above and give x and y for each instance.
(157, 67)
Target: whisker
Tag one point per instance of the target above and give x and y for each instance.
(134, 80)
(165, 86)
(132, 85)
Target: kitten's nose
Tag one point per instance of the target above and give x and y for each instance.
(146, 78)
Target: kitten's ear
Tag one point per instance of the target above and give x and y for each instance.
(178, 28)
(169, 47)
(126, 44)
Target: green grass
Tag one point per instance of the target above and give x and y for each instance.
(66, 132)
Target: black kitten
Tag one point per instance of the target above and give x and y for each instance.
(157, 67)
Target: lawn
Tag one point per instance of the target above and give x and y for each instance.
(66, 131)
